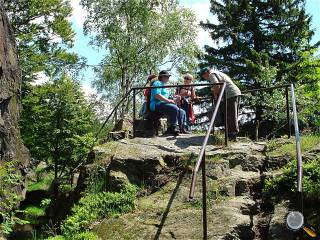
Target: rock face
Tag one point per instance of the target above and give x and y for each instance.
(235, 177)
(11, 146)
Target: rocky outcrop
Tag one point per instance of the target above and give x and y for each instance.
(11, 146)
(235, 178)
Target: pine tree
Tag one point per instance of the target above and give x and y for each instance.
(261, 44)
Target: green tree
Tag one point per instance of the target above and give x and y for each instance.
(44, 34)
(263, 43)
(139, 36)
(57, 124)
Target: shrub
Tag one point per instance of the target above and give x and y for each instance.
(79, 236)
(288, 180)
(95, 206)
(307, 143)
(10, 179)
(85, 236)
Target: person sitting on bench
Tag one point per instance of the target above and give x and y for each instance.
(161, 103)
(187, 96)
(145, 109)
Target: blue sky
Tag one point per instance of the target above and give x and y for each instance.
(201, 8)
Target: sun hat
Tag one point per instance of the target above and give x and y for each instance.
(203, 70)
(164, 73)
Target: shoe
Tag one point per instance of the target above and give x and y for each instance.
(184, 131)
(232, 137)
(172, 131)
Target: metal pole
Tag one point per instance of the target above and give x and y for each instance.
(204, 144)
(298, 148)
(204, 198)
(288, 112)
(134, 113)
(116, 115)
(213, 106)
(225, 119)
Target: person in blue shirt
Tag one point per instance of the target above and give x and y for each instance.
(161, 103)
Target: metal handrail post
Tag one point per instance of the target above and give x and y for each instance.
(205, 142)
(112, 112)
(204, 198)
(288, 112)
(298, 150)
(225, 118)
(134, 114)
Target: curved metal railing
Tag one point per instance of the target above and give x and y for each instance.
(202, 160)
(201, 156)
(298, 150)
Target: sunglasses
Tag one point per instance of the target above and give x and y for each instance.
(186, 78)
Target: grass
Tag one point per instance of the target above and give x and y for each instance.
(34, 211)
(289, 147)
(43, 184)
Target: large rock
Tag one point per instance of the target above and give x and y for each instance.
(277, 227)
(233, 177)
(11, 146)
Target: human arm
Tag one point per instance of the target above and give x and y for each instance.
(216, 88)
(185, 93)
(164, 99)
(193, 94)
(216, 91)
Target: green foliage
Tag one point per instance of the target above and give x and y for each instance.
(79, 236)
(287, 181)
(289, 147)
(85, 236)
(139, 36)
(266, 43)
(309, 95)
(43, 34)
(96, 181)
(32, 213)
(57, 238)
(42, 184)
(10, 179)
(57, 124)
(45, 202)
(95, 206)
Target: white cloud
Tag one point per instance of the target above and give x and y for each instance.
(87, 89)
(202, 10)
(41, 78)
(78, 13)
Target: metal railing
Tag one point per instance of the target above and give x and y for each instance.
(202, 161)
(135, 89)
(284, 86)
(298, 151)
